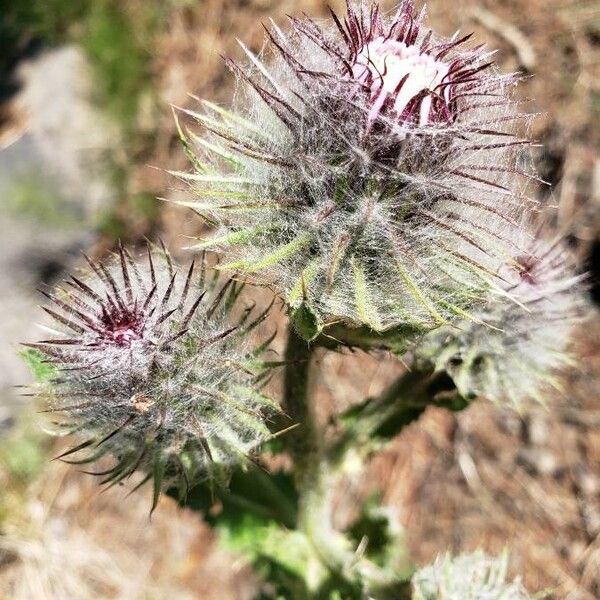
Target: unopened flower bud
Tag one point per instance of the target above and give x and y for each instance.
(512, 348)
(473, 576)
(371, 171)
(153, 371)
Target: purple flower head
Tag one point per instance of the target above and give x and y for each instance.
(407, 75)
(403, 80)
(124, 315)
(153, 367)
(122, 325)
(372, 172)
(518, 341)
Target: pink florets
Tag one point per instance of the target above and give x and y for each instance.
(398, 75)
(111, 314)
(409, 76)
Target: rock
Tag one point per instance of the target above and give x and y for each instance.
(52, 184)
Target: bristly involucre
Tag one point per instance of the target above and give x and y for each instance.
(473, 576)
(371, 169)
(152, 370)
(513, 347)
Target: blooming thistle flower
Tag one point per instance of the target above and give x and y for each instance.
(371, 171)
(151, 369)
(515, 344)
(467, 577)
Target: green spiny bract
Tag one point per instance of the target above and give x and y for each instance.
(153, 370)
(513, 347)
(467, 577)
(371, 171)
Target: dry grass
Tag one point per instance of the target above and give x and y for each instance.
(71, 541)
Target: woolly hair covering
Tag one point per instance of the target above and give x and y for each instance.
(151, 369)
(513, 347)
(467, 577)
(371, 171)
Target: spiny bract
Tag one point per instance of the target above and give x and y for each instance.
(511, 349)
(371, 169)
(151, 369)
(467, 577)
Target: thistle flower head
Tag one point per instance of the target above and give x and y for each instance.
(371, 171)
(467, 577)
(151, 369)
(517, 342)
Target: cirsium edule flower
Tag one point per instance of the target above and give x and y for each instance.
(474, 576)
(371, 171)
(514, 346)
(153, 367)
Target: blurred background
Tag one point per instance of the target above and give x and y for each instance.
(86, 133)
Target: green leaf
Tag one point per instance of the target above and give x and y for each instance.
(261, 538)
(306, 323)
(237, 237)
(418, 295)
(224, 153)
(364, 304)
(282, 253)
(257, 517)
(262, 399)
(218, 178)
(339, 251)
(396, 339)
(300, 289)
(41, 371)
(187, 148)
(158, 473)
(234, 118)
(267, 496)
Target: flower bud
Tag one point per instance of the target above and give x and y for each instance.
(152, 370)
(513, 347)
(371, 171)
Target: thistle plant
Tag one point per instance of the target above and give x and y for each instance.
(513, 347)
(371, 171)
(151, 370)
(374, 175)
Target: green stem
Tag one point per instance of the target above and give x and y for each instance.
(318, 468)
(316, 478)
(311, 471)
(303, 441)
(379, 419)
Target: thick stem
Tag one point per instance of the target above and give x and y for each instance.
(318, 467)
(312, 474)
(316, 478)
(304, 445)
(303, 441)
